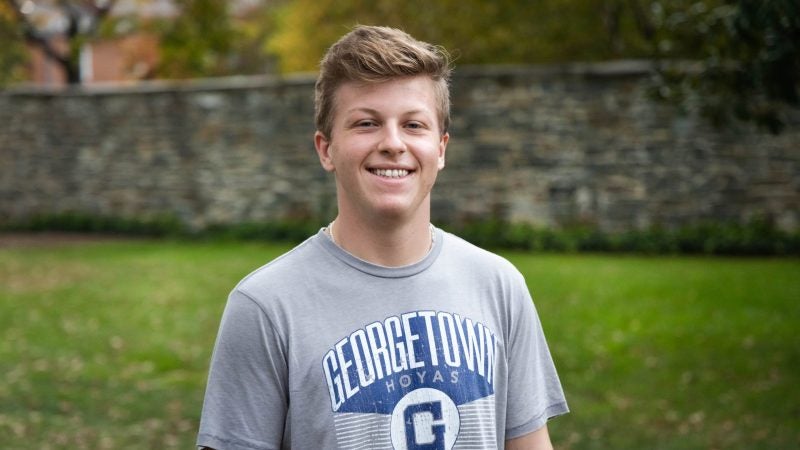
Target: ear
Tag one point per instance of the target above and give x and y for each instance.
(442, 148)
(323, 146)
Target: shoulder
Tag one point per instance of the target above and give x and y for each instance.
(284, 271)
(459, 252)
(482, 269)
(503, 291)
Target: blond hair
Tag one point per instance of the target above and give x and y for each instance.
(370, 54)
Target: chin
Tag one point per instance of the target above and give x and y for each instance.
(399, 210)
(393, 213)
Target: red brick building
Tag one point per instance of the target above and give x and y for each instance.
(130, 57)
(127, 58)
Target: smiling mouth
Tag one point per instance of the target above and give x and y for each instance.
(390, 173)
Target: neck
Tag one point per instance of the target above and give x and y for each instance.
(386, 244)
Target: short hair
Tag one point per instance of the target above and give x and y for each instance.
(372, 54)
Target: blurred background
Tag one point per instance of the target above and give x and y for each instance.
(605, 116)
(749, 47)
(140, 39)
(637, 160)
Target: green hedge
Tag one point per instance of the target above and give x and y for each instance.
(291, 230)
(158, 226)
(758, 237)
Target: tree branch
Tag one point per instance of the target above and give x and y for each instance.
(34, 37)
(643, 21)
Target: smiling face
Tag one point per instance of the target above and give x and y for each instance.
(385, 148)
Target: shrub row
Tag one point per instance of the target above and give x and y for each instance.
(164, 226)
(159, 226)
(755, 238)
(758, 237)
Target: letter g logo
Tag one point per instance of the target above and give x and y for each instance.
(425, 419)
(415, 438)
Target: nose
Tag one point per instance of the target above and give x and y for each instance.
(391, 140)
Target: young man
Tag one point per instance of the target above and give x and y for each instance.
(381, 331)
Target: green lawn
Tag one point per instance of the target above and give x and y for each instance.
(106, 345)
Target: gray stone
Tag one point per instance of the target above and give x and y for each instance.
(550, 145)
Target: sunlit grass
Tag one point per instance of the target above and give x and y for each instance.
(106, 345)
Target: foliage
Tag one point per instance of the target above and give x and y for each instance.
(87, 223)
(198, 41)
(749, 55)
(12, 54)
(744, 54)
(758, 237)
(253, 31)
(165, 226)
(477, 32)
(106, 345)
(77, 22)
(212, 38)
(274, 231)
(203, 39)
(747, 51)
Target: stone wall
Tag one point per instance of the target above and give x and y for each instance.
(553, 146)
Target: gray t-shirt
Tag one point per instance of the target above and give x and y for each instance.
(321, 350)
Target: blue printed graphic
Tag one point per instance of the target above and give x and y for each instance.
(374, 367)
(436, 429)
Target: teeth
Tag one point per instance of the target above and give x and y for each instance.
(390, 173)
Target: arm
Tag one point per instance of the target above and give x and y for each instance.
(247, 371)
(537, 440)
(534, 391)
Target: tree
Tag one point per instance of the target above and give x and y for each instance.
(12, 53)
(196, 38)
(476, 31)
(80, 21)
(198, 41)
(748, 53)
(214, 38)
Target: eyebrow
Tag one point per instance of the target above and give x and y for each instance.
(377, 113)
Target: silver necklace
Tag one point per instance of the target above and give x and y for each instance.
(329, 229)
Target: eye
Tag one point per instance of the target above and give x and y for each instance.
(366, 123)
(415, 125)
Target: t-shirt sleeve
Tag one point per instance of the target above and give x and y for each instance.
(534, 390)
(247, 395)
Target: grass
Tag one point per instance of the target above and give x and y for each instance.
(672, 353)
(106, 345)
